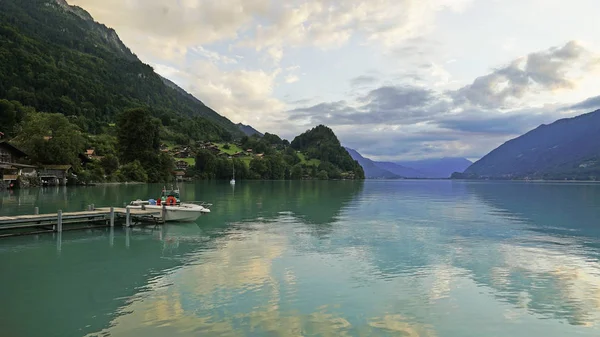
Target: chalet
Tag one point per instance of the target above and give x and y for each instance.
(182, 165)
(183, 154)
(260, 155)
(249, 150)
(55, 174)
(238, 154)
(10, 167)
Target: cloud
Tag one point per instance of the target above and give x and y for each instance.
(291, 79)
(548, 70)
(265, 24)
(413, 121)
(363, 80)
(241, 95)
(589, 104)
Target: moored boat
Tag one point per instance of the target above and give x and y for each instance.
(174, 209)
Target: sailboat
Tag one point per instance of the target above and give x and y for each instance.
(232, 181)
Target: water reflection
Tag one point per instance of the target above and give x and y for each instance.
(405, 258)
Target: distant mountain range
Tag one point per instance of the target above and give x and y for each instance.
(430, 168)
(566, 149)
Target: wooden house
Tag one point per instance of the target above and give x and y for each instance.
(11, 167)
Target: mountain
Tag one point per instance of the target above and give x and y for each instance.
(566, 149)
(429, 168)
(248, 130)
(403, 171)
(322, 144)
(56, 58)
(372, 171)
(438, 167)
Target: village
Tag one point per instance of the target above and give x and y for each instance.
(16, 172)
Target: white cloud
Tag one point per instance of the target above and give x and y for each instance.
(291, 79)
(241, 95)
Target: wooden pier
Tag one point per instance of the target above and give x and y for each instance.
(59, 222)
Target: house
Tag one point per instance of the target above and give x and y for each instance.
(55, 174)
(10, 167)
(179, 175)
(183, 154)
(249, 150)
(238, 154)
(260, 155)
(90, 153)
(182, 165)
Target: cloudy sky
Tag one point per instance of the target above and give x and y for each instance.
(395, 79)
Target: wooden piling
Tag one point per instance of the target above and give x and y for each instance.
(59, 222)
(112, 217)
(127, 217)
(36, 211)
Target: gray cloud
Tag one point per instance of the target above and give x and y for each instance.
(545, 70)
(363, 80)
(385, 105)
(409, 121)
(509, 124)
(589, 104)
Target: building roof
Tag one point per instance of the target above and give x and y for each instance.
(179, 173)
(13, 149)
(89, 152)
(57, 167)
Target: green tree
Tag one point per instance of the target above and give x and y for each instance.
(322, 175)
(296, 173)
(110, 164)
(51, 139)
(138, 136)
(260, 169)
(11, 114)
(133, 171)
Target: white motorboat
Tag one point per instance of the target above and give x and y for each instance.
(175, 210)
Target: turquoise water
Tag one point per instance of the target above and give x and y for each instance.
(379, 258)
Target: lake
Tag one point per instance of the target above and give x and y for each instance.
(374, 258)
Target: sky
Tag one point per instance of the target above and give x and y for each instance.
(394, 79)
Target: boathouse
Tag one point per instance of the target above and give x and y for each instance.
(55, 174)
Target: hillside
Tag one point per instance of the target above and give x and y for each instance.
(566, 149)
(56, 58)
(322, 144)
(248, 130)
(312, 155)
(372, 171)
(438, 167)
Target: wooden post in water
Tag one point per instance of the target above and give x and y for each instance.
(93, 208)
(112, 217)
(127, 216)
(36, 211)
(89, 207)
(59, 222)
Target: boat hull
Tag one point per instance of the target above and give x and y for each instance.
(177, 213)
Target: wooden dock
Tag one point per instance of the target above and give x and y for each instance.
(93, 217)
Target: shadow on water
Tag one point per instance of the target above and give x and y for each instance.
(76, 282)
